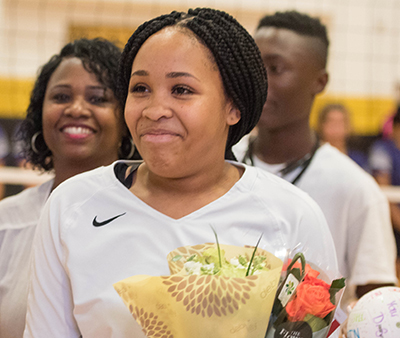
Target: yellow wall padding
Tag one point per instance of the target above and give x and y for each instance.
(14, 97)
(367, 114)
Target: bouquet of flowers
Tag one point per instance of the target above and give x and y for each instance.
(305, 302)
(213, 291)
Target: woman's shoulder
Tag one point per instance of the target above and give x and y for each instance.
(332, 168)
(273, 190)
(83, 187)
(24, 208)
(90, 180)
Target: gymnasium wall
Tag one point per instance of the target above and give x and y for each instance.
(364, 61)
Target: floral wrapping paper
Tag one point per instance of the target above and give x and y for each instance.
(181, 306)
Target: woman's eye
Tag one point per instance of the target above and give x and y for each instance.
(95, 99)
(139, 89)
(274, 69)
(61, 98)
(181, 90)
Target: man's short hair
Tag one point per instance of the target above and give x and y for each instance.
(300, 23)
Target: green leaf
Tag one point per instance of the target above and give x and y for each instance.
(336, 285)
(242, 260)
(302, 272)
(296, 272)
(316, 323)
(176, 258)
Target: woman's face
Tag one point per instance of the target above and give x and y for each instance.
(176, 109)
(81, 118)
(336, 127)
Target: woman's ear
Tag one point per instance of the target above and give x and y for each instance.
(234, 115)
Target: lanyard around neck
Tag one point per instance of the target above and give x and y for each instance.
(303, 163)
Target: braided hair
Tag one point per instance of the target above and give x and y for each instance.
(235, 53)
(299, 23)
(98, 56)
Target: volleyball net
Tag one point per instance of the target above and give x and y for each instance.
(364, 57)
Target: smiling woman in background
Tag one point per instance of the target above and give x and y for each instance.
(74, 124)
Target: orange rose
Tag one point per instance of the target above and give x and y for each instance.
(312, 297)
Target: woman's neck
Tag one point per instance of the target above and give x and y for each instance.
(178, 197)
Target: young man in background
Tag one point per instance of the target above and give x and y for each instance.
(294, 48)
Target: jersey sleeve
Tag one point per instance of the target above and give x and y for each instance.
(50, 305)
(371, 244)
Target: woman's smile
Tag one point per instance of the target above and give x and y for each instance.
(159, 136)
(77, 132)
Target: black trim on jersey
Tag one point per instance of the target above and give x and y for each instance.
(120, 170)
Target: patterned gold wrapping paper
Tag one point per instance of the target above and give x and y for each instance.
(181, 306)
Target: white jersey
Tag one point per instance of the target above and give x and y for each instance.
(19, 215)
(357, 213)
(94, 232)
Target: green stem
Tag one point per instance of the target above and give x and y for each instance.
(252, 256)
(218, 248)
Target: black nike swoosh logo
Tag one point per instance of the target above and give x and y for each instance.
(99, 224)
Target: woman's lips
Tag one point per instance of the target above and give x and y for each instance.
(159, 136)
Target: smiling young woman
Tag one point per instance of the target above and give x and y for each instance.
(178, 113)
(82, 120)
(192, 85)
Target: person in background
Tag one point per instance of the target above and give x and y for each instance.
(74, 123)
(193, 84)
(294, 48)
(4, 151)
(385, 166)
(334, 127)
(388, 122)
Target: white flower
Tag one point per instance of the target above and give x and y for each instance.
(235, 263)
(208, 268)
(193, 268)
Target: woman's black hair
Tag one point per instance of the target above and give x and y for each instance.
(236, 55)
(98, 56)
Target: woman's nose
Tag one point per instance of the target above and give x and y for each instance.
(156, 109)
(77, 108)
